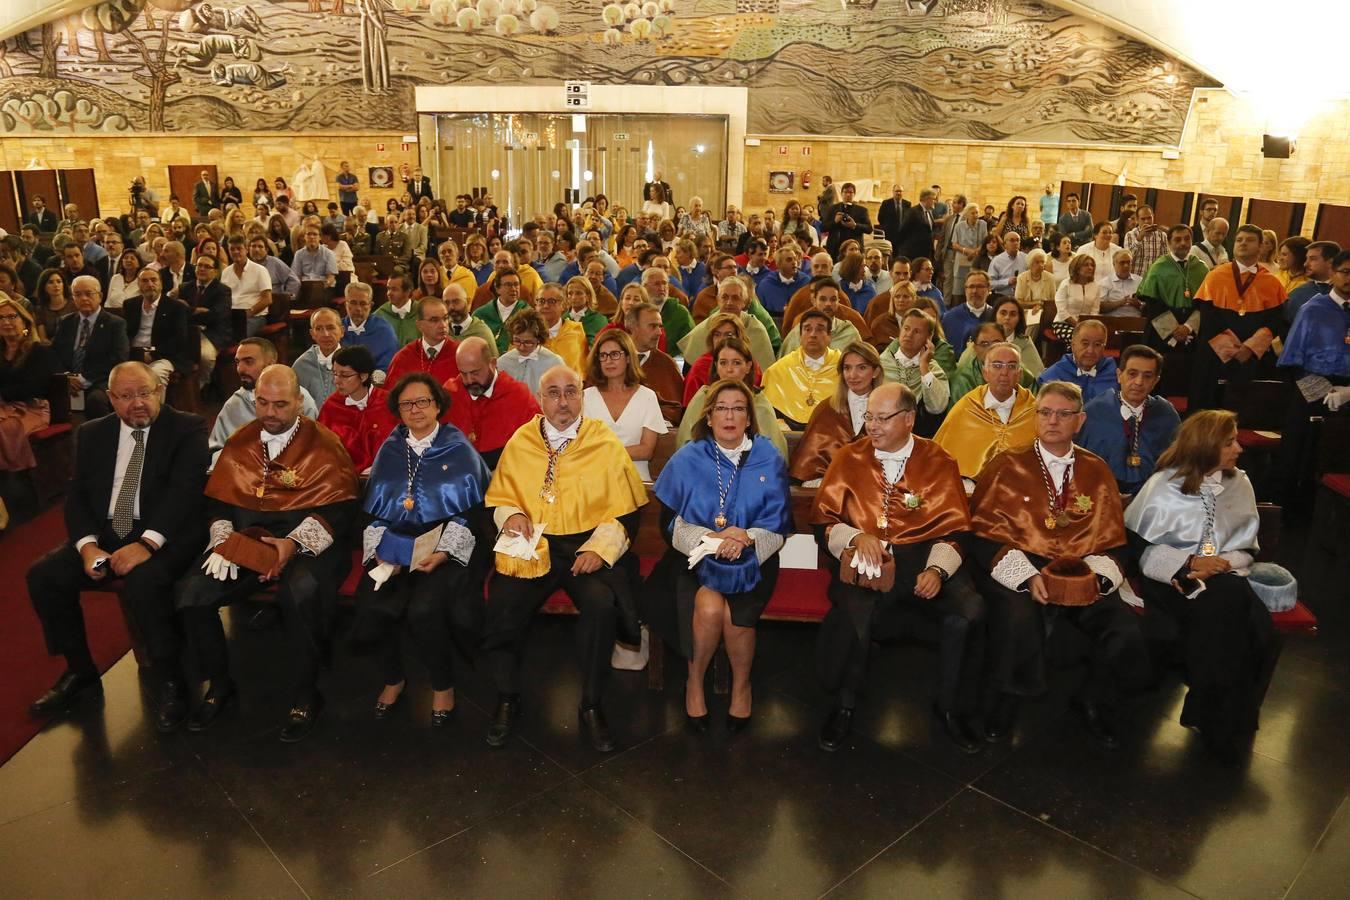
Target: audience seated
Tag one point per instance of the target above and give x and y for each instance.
(1149, 422)
(617, 397)
(399, 309)
(566, 338)
(1086, 364)
(732, 360)
(27, 364)
(807, 375)
(827, 299)
(839, 420)
(357, 411)
(659, 371)
(158, 329)
(434, 352)
(528, 359)
(960, 321)
(996, 416)
(486, 403)
(250, 358)
(371, 332)
(969, 372)
(733, 294)
(89, 344)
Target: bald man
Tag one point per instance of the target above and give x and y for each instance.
(568, 488)
(463, 324)
(486, 404)
(314, 367)
(132, 511)
(285, 489)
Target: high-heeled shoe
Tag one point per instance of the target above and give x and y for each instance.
(698, 724)
(383, 709)
(441, 717)
(737, 724)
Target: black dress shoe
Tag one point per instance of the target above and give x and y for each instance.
(441, 717)
(504, 719)
(698, 724)
(382, 709)
(170, 706)
(594, 728)
(213, 704)
(737, 724)
(65, 692)
(1003, 719)
(836, 728)
(957, 731)
(1098, 724)
(301, 721)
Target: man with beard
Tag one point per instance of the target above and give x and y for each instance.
(252, 356)
(486, 404)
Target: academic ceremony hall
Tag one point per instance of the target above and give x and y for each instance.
(674, 448)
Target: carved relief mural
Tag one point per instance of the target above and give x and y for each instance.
(984, 69)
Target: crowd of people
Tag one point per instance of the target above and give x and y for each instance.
(486, 420)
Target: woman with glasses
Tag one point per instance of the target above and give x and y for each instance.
(424, 565)
(27, 364)
(731, 359)
(527, 359)
(1195, 524)
(839, 420)
(726, 511)
(618, 398)
(1011, 318)
(357, 411)
(722, 325)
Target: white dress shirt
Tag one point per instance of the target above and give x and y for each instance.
(857, 405)
(273, 444)
(1003, 408)
(735, 453)
(555, 437)
(893, 461)
(1057, 465)
(429, 349)
(420, 445)
(359, 404)
(811, 363)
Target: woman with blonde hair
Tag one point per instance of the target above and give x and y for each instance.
(839, 420)
(617, 397)
(1195, 525)
(1078, 295)
(581, 306)
(1270, 245)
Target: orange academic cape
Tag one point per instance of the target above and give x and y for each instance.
(852, 489)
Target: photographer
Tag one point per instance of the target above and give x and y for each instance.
(142, 197)
(847, 221)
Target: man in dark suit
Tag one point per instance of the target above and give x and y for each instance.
(89, 345)
(418, 185)
(158, 329)
(133, 511)
(40, 253)
(210, 303)
(846, 220)
(892, 213)
(73, 264)
(41, 217)
(205, 195)
(915, 238)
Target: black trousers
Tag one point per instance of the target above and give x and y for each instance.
(1229, 650)
(443, 611)
(306, 597)
(56, 581)
(1106, 635)
(860, 616)
(604, 599)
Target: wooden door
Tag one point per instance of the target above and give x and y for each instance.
(1170, 207)
(1102, 201)
(1230, 208)
(32, 182)
(77, 186)
(1333, 224)
(9, 205)
(182, 180)
(1280, 216)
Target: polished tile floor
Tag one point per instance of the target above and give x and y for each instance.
(98, 805)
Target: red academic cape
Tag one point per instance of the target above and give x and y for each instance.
(361, 431)
(413, 358)
(489, 422)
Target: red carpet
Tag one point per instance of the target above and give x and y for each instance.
(27, 669)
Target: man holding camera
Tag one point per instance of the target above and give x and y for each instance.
(847, 220)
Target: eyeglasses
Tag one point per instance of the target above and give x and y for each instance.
(133, 396)
(1004, 366)
(732, 410)
(569, 393)
(611, 355)
(877, 417)
(524, 343)
(985, 344)
(419, 403)
(1058, 415)
(9, 317)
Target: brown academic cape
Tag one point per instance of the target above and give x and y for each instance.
(313, 471)
(853, 487)
(1011, 504)
(826, 432)
(661, 374)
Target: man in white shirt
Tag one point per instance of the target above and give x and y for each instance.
(314, 367)
(1119, 287)
(1211, 251)
(249, 283)
(1004, 268)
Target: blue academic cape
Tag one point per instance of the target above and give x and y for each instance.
(1107, 434)
(377, 336)
(1065, 369)
(1317, 341)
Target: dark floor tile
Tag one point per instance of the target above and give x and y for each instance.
(359, 795)
(977, 847)
(569, 842)
(173, 834)
(1305, 724)
(99, 745)
(768, 811)
(1163, 804)
(1327, 872)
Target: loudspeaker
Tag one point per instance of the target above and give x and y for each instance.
(1275, 147)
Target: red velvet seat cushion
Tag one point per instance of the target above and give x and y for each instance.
(51, 431)
(1338, 482)
(1251, 440)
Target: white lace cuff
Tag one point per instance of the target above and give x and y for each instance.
(945, 557)
(457, 541)
(685, 537)
(936, 394)
(1160, 563)
(220, 530)
(813, 483)
(370, 541)
(1013, 570)
(840, 537)
(1105, 567)
(502, 513)
(766, 543)
(312, 536)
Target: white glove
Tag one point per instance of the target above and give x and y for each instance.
(1337, 398)
(866, 570)
(220, 568)
(707, 546)
(382, 573)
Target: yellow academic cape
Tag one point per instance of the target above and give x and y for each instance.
(594, 484)
(464, 278)
(794, 390)
(570, 344)
(974, 434)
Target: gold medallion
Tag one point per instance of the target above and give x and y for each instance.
(261, 489)
(720, 521)
(408, 502)
(811, 399)
(548, 495)
(1062, 520)
(1134, 460)
(1208, 549)
(883, 522)
(1050, 522)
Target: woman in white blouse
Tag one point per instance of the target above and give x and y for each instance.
(1078, 295)
(656, 204)
(122, 286)
(1103, 247)
(618, 398)
(1059, 259)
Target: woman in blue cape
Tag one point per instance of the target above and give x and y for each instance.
(424, 563)
(728, 508)
(1194, 524)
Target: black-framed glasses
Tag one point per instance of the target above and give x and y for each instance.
(869, 418)
(612, 355)
(1057, 414)
(418, 403)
